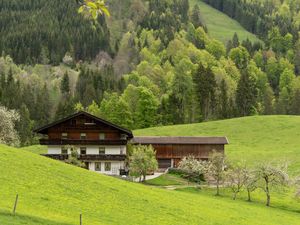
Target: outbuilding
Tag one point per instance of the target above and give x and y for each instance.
(171, 150)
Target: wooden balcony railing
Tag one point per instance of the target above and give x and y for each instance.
(82, 142)
(88, 157)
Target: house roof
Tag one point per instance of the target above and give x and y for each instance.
(44, 129)
(180, 140)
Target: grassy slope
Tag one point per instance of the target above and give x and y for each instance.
(254, 139)
(51, 192)
(221, 26)
(167, 180)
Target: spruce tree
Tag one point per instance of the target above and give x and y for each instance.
(65, 84)
(196, 17)
(268, 101)
(235, 41)
(246, 95)
(224, 103)
(295, 108)
(205, 85)
(24, 126)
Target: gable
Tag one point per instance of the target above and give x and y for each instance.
(83, 120)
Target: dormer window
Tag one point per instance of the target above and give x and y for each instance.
(102, 136)
(64, 135)
(82, 136)
(89, 122)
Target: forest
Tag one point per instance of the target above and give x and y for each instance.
(143, 67)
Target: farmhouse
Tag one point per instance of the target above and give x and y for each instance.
(102, 145)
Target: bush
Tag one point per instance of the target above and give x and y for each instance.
(190, 176)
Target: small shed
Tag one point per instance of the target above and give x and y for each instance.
(171, 150)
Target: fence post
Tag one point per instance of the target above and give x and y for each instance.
(80, 219)
(15, 206)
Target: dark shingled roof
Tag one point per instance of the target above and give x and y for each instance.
(44, 129)
(180, 140)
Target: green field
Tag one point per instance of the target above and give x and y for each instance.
(220, 26)
(54, 193)
(254, 139)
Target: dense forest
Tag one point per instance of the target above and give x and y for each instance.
(277, 22)
(44, 31)
(142, 67)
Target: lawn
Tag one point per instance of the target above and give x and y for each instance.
(51, 192)
(37, 149)
(220, 26)
(254, 139)
(167, 180)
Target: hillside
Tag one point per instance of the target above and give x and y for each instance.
(255, 139)
(54, 193)
(220, 26)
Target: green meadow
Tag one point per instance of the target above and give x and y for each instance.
(254, 139)
(220, 26)
(54, 193)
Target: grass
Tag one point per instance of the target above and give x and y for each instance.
(167, 180)
(220, 26)
(37, 149)
(282, 199)
(254, 139)
(51, 192)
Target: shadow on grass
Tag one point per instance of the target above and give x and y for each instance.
(7, 218)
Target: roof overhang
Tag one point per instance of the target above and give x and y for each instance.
(164, 140)
(44, 129)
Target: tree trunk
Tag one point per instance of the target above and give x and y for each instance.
(267, 191)
(218, 189)
(234, 195)
(144, 177)
(249, 195)
(268, 199)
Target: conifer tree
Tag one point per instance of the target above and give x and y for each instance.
(196, 17)
(246, 95)
(205, 85)
(24, 126)
(224, 103)
(65, 84)
(235, 41)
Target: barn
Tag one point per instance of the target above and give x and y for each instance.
(171, 150)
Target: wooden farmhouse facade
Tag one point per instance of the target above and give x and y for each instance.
(102, 145)
(171, 150)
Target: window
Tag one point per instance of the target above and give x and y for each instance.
(82, 150)
(64, 135)
(123, 136)
(102, 136)
(73, 122)
(98, 166)
(82, 136)
(64, 150)
(121, 151)
(101, 150)
(107, 166)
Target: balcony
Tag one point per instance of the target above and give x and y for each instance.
(81, 142)
(88, 157)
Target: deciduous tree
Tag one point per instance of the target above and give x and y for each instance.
(8, 133)
(142, 161)
(215, 169)
(272, 176)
